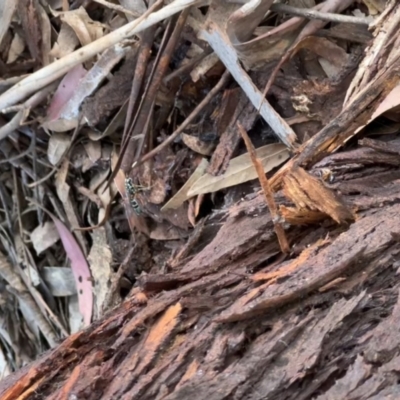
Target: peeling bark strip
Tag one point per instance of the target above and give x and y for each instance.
(269, 197)
(344, 126)
(308, 193)
(278, 295)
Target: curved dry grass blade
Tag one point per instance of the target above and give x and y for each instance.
(241, 169)
(182, 194)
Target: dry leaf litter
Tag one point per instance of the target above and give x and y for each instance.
(199, 199)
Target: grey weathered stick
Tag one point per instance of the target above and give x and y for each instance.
(314, 14)
(220, 43)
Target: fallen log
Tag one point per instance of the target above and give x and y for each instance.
(239, 321)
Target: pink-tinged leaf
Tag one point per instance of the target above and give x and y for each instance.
(65, 91)
(391, 101)
(390, 106)
(80, 269)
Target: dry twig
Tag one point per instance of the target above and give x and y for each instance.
(269, 197)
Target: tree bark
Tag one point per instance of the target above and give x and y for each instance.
(240, 320)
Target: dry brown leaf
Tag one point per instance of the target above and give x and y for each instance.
(164, 231)
(197, 205)
(241, 169)
(93, 150)
(45, 28)
(58, 144)
(390, 105)
(69, 114)
(28, 11)
(135, 6)
(16, 48)
(7, 8)
(67, 42)
(182, 195)
(20, 285)
(191, 212)
(84, 27)
(74, 315)
(263, 50)
(105, 196)
(375, 6)
(204, 66)
(44, 236)
(60, 281)
(63, 193)
(198, 145)
(333, 57)
(5, 368)
(100, 259)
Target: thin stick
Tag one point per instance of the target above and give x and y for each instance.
(222, 82)
(116, 7)
(146, 107)
(181, 70)
(324, 16)
(269, 197)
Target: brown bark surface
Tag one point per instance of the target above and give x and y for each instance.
(233, 316)
(237, 320)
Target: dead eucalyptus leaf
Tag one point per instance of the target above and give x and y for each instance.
(69, 113)
(241, 169)
(198, 145)
(84, 27)
(182, 194)
(58, 144)
(135, 6)
(30, 21)
(100, 260)
(66, 43)
(60, 281)
(7, 8)
(44, 236)
(16, 49)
